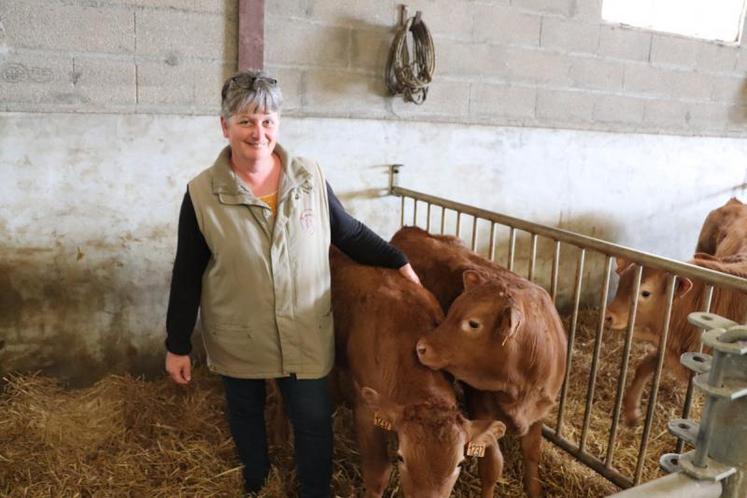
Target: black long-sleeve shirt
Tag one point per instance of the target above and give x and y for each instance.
(193, 254)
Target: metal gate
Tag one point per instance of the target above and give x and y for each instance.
(439, 208)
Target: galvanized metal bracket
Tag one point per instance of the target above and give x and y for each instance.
(710, 320)
(730, 390)
(685, 429)
(713, 470)
(731, 341)
(697, 362)
(670, 462)
(394, 177)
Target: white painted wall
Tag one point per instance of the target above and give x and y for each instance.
(89, 205)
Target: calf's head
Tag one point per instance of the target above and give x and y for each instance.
(434, 441)
(477, 341)
(652, 300)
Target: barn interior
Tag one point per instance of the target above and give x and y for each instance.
(540, 109)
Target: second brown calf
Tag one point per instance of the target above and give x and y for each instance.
(689, 296)
(379, 316)
(502, 336)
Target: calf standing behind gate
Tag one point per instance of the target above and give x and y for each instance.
(502, 336)
(652, 305)
(724, 231)
(378, 317)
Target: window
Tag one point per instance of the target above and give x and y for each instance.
(709, 19)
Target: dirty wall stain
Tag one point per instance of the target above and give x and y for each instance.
(73, 313)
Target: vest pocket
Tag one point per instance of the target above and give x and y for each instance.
(228, 346)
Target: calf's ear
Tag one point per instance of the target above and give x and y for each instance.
(386, 413)
(472, 278)
(509, 322)
(683, 286)
(622, 264)
(482, 434)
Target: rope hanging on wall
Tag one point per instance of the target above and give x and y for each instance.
(411, 78)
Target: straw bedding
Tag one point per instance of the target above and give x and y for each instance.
(129, 437)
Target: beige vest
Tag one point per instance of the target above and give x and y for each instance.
(265, 305)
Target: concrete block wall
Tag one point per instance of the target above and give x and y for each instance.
(128, 56)
(534, 63)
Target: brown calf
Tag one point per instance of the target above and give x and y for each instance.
(724, 231)
(502, 336)
(649, 322)
(379, 316)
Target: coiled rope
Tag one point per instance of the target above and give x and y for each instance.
(411, 78)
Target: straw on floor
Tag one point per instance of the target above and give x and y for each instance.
(129, 437)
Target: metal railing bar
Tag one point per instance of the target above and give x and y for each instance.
(428, 218)
(671, 285)
(555, 270)
(593, 463)
(571, 340)
(415, 213)
(491, 249)
(443, 219)
(511, 248)
(633, 311)
(647, 259)
(595, 358)
(458, 231)
(532, 257)
(402, 212)
(474, 232)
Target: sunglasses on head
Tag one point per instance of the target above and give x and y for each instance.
(247, 82)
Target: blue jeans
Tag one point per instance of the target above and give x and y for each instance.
(310, 410)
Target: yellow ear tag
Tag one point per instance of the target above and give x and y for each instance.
(476, 450)
(380, 421)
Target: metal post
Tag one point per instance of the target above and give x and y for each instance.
(555, 268)
(511, 248)
(474, 232)
(491, 249)
(624, 366)
(571, 340)
(532, 257)
(394, 177)
(671, 286)
(595, 357)
(402, 211)
(689, 396)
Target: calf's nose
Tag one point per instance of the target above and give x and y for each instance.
(421, 348)
(607, 319)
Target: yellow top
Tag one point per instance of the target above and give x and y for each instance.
(271, 200)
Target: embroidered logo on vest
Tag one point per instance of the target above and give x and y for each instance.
(307, 221)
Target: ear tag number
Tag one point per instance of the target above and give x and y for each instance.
(476, 450)
(380, 421)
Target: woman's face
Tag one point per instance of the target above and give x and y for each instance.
(252, 135)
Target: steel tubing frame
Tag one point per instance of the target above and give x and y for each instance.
(584, 244)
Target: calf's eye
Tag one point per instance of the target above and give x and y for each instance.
(645, 293)
(473, 324)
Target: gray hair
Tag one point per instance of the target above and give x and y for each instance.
(254, 91)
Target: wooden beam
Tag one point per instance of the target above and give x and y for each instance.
(251, 34)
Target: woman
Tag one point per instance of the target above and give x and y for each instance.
(254, 236)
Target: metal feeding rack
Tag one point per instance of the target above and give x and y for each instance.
(720, 439)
